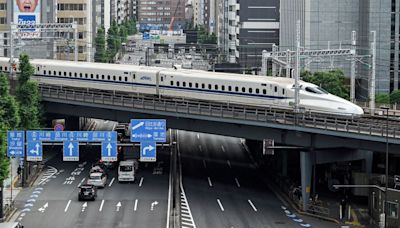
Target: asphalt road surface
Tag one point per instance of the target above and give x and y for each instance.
(224, 188)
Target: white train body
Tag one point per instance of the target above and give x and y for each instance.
(191, 84)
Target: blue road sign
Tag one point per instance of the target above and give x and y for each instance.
(143, 130)
(34, 151)
(109, 151)
(15, 143)
(83, 136)
(148, 151)
(71, 151)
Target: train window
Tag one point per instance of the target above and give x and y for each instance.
(203, 86)
(80, 75)
(65, 74)
(190, 84)
(197, 85)
(59, 73)
(250, 90)
(177, 83)
(54, 73)
(276, 89)
(91, 75)
(283, 91)
(243, 89)
(38, 69)
(237, 89)
(75, 75)
(97, 76)
(223, 88)
(209, 86)
(108, 77)
(5, 68)
(134, 76)
(162, 79)
(70, 74)
(257, 91)
(264, 91)
(44, 72)
(126, 79)
(172, 83)
(102, 76)
(229, 88)
(184, 84)
(114, 78)
(263, 84)
(119, 78)
(216, 87)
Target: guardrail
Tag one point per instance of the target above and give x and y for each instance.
(364, 126)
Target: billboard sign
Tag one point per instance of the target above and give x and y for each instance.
(27, 12)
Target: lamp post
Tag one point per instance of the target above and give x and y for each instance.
(387, 161)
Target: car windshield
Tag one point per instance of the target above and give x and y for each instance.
(94, 177)
(126, 168)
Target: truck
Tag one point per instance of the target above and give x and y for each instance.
(127, 170)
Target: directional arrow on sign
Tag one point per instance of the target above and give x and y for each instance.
(147, 148)
(109, 147)
(118, 205)
(137, 125)
(70, 147)
(37, 149)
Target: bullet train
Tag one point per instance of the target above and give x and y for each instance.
(251, 90)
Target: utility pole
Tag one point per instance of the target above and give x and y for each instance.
(264, 63)
(75, 27)
(297, 76)
(12, 30)
(274, 49)
(373, 72)
(288, 62)
(353, 68)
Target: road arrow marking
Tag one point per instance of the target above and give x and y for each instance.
(137, 126)
(118, 206)
(153, 204)
(70, 147)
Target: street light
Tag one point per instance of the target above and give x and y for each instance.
(387, 161)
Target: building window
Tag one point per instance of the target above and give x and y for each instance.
(392, 209)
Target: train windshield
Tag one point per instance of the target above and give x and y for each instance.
(317, 90)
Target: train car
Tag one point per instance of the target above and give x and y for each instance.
(252, 90)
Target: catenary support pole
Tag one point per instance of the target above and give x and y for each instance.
(353, 68)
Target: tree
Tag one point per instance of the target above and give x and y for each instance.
(123, 33)
(100, 44)
(9, 115)
(131, 27)
(28, 96)
(4, 161)
(382, 98)
(332, 81)
(395, 97)
(113, 40)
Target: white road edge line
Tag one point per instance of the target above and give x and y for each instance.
(237, 182)
(220, 205)
(209, 181)
(112, 181)
(101, 205)
(66, 207)
(141, 182)
(135, 206)
(169, 181)
(229, 163)
(252, 205)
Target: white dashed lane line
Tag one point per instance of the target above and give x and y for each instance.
(101, 205)
(229, 163)
(204, 164)
(252, 205)
(141, 182)
(223, 149)
(209, 181)
(135, 206)
(237, 182)
(112, 181)
(66, 207)
(220, 205)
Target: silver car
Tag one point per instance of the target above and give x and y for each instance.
(97, 179)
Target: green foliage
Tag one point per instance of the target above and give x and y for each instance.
(382, 98)
(332, 81)
(100, 44)
(395, 97)
(203, 37)
(25, 68)
(4, 161)
(28, 98)
(131, 27)
(9, 115)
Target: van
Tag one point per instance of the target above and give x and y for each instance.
(11, 225)
(127, 170)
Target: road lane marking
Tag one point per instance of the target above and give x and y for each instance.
(66, 207)
(84, 206)
(209, 181)
(220, 205)
(237, 182)
(80, 183)
(204, 164)
(135, 206)
(112, 181)
(223, 149)
(101, 205)
(141, 182)
(200, 148)
(229, 163)
(118, 205)
(252, 205)
(198, 136)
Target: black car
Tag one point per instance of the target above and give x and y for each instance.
(87, 192)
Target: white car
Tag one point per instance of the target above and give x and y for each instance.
(97, 179)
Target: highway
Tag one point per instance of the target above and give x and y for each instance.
(224, 189)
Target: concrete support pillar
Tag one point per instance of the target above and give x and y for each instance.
(306, 172)
(368, 162)
(284, 157)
